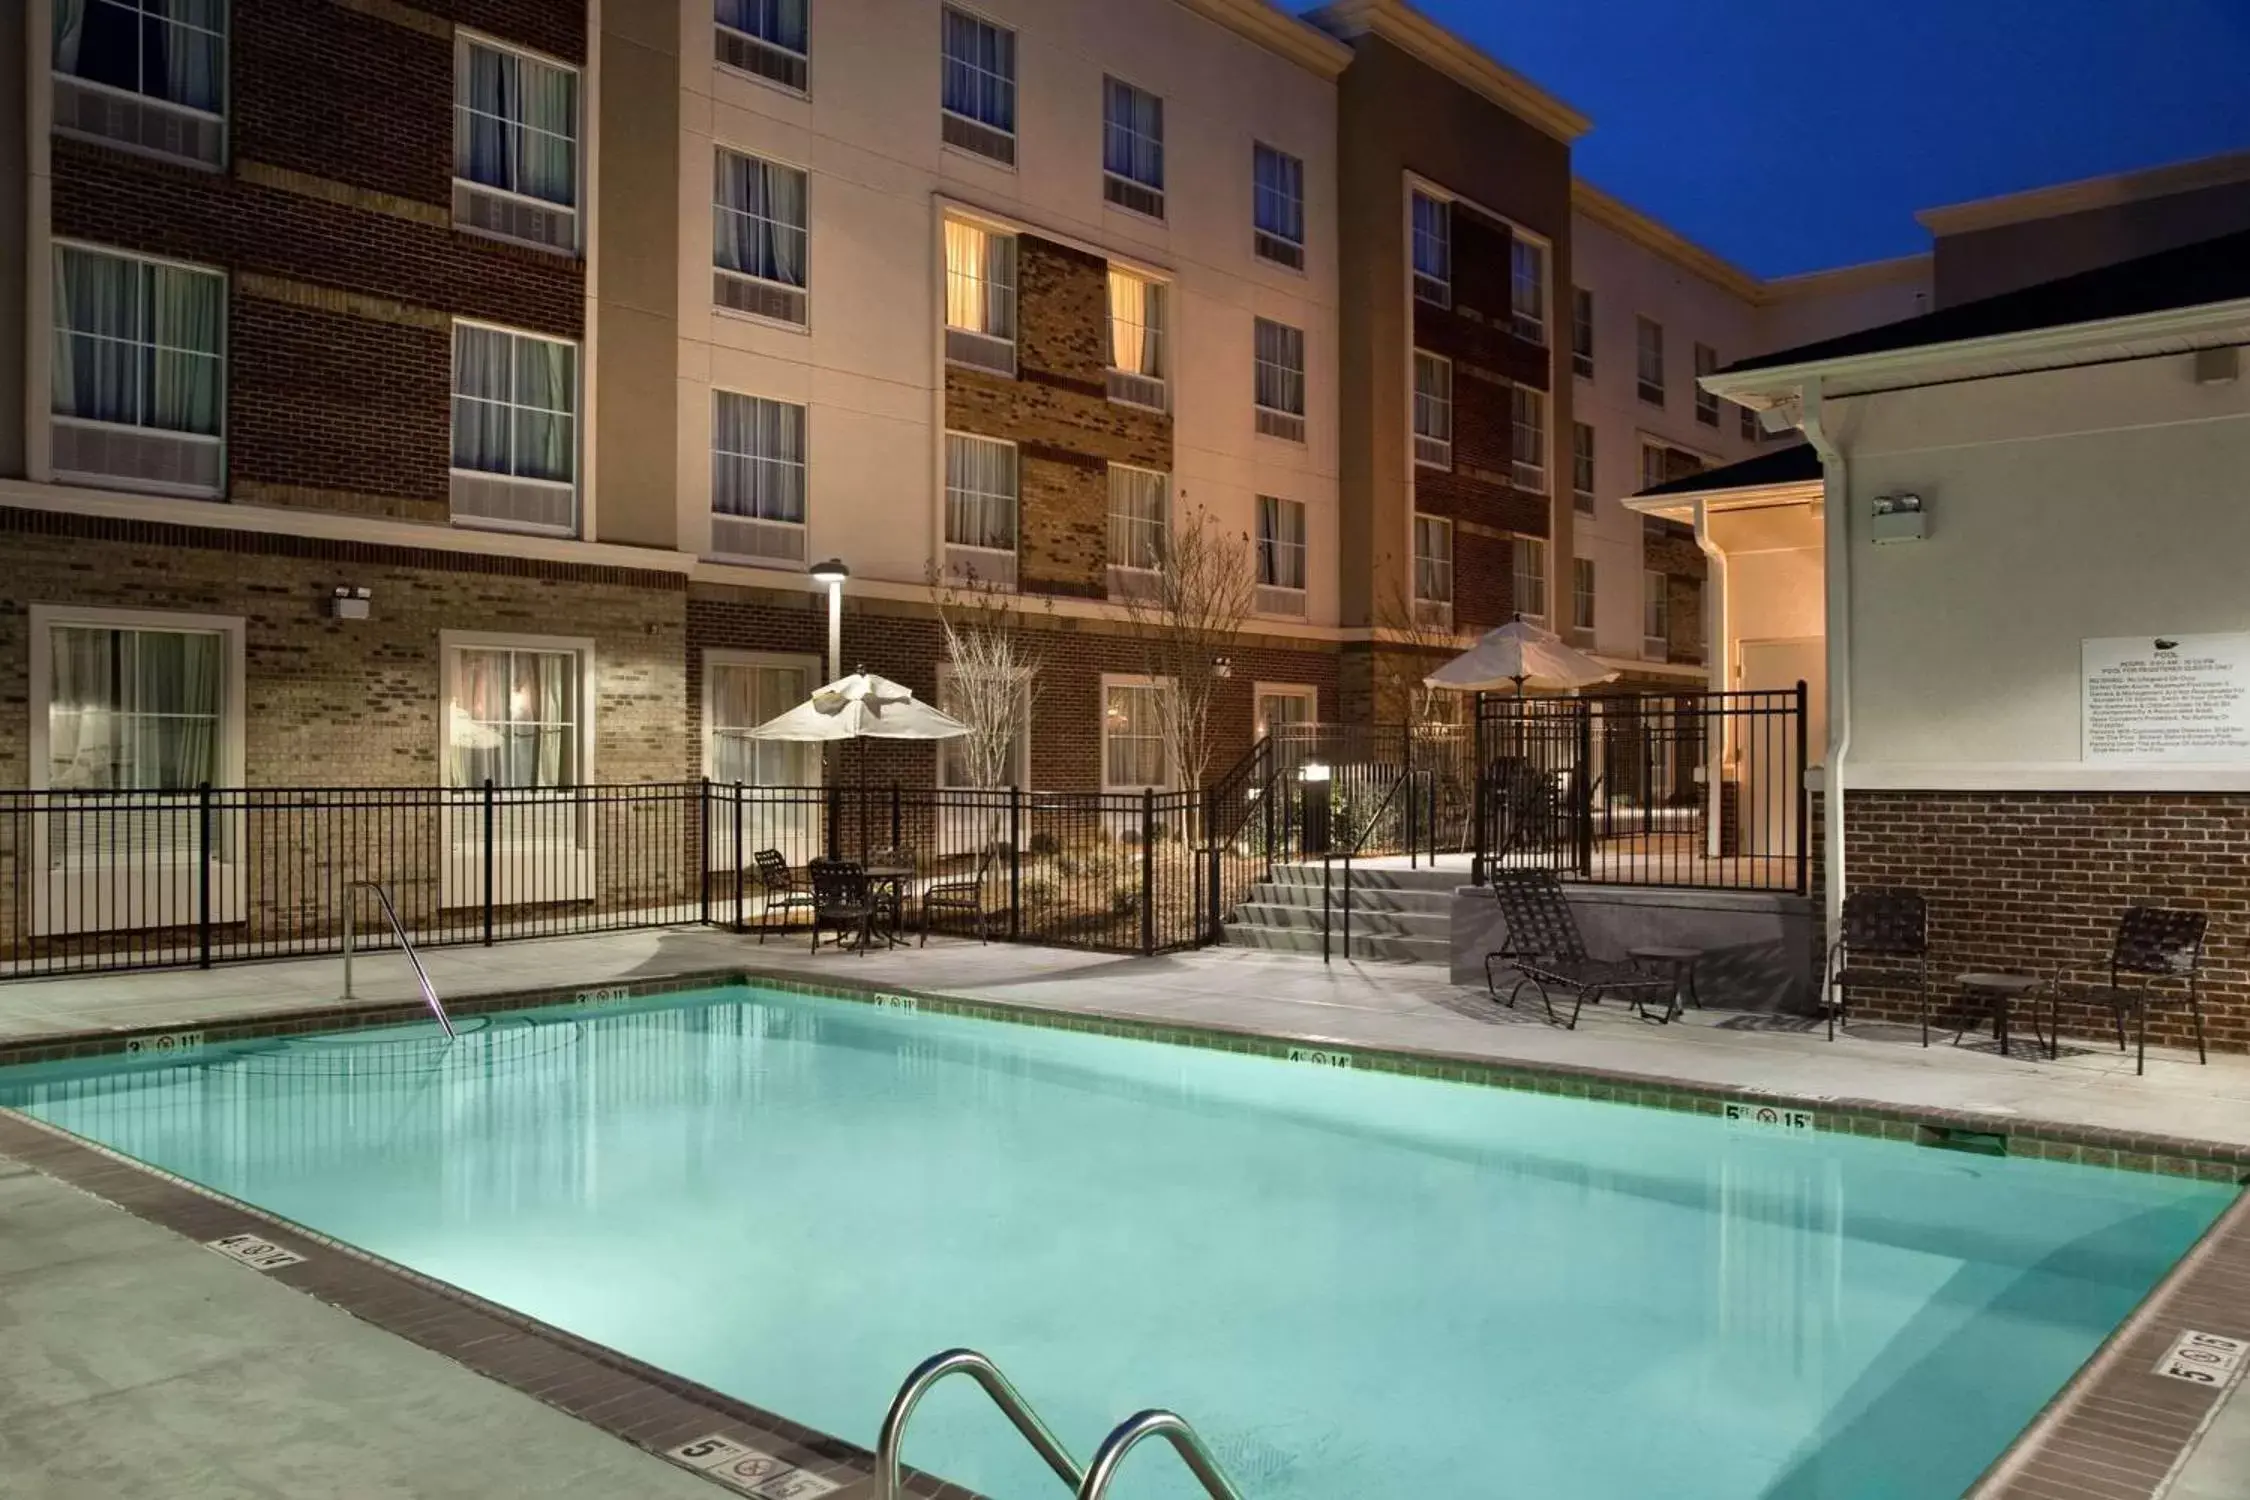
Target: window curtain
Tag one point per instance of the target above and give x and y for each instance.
(546, 387)
(980, 493)
(1281, 368)
(70, 34)
(514, 719)
(980, 71)
(1133, 137)
(1136, 325)
(101, 323)
(1135, 737)
(758, 468)
(173, 50)
(551, 758)
(133, 710)
(550, 135)
(1139, 515)
(1281, 543)
(743, 696)
(1280, 194)
(1433, 561)
(81, 696)
(760, 228)
(1433, 253)
(1433, 399)
(482, 417)
(980, 280)
(781, 22)
(189, 320)
(519, 126)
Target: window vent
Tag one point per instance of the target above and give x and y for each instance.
(1432, 290)
(985, 567)
(1281, 424)
(1279, 601)
(1143, 585)
(760, 299)
(1126, 193)
(1280, 251)
(744, 536)
(505, 504)
(1530, 330)
(1582, 365)
(1653, 394)
(978, 138)
(1528, 477)
(1136, 390)
(547, 225)
(750, 55)
(142, 457)
(1436, 452)
(139, 123)
(1433, 614)
(981, 351)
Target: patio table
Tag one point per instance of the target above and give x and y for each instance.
(1999, 990)
(895, 879)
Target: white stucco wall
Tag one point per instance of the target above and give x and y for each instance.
(870, 366)
(2112, 500)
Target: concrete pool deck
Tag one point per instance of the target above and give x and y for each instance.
(1376, 1006)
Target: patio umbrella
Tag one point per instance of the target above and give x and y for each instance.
(861, 707)
(1521, 653)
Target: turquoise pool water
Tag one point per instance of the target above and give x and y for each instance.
(1355, 1285)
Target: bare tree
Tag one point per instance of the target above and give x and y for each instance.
(1188, 625)
(994, 681)
(1401, 695)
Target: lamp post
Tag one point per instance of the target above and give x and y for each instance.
(832, 573)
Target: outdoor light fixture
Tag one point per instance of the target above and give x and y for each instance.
(1898, 518)
(1312, 807)
(348, 603)
(1222, 666)
(832, 574)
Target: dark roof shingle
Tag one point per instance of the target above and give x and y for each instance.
(1796, 464)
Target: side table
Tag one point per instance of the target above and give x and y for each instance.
(1999, 990)
(1681, 961)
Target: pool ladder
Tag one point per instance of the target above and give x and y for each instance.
(406, 945)
(1085, 1484)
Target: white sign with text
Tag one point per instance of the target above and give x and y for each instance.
(2166, 698)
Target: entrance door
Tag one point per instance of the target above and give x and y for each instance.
(1770, 804)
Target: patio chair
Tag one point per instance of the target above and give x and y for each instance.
(963, 893)
(1547, 952)
(782, 892)
(2154, 945)
(841, 902)
(1885, 942)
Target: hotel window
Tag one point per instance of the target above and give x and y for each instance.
(1531, 577)
(1433, 250)
(1582, 593)
(1433, 410)
(759, 238)
(1133, 735)
(144, 75)
(1661, 464)
(138, 385)
(1656, 618)
(1582, 332)
(136, 710)
(979, 92)
(980, 510)
(740, 693)
(1751, 432)
(513, 718)
(757, 477)
(1280, 385)
(1281, 557)
(1529, 468)
(1648, 335)
(1527, 289)
(980, 297)
(515, 429)
(1433, 571)
(1277, 211)
(1283, 711)
(768, 39)
(1582, 468)
(1140, 517)
(515, 145)
(1136, 339)
(1706, 403)
(1132, 148)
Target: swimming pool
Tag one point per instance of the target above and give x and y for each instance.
(1354, 1284)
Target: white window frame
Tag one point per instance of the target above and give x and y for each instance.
(1302, 692)
(1278, 420)
(1643, 352)
(961, 557)
(561, 833)
(1584, 454)
(798, 528)
(1428, 565)
(1530, 583)
(1112, 518)
(1129, 182)
(1656, 610)
(1285, 252)
(1582, 332)
(577, 430)
(767, 80)
(1529, 323)
(85, 896)
(801, 290)
(1655, 447)
(1528, 473)
(1706, 402)
(1139, 681)
(1433, 287)
(1583, 582)
(1284, 599)
(1432, 413)
(978, 348)
(44, 48)
(465, 39)
(945, 677)
(1014, 82)
(794, 828)
(1150, 389)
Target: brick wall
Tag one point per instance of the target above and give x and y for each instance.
(1669, 548)
(1058, 413)
(2033, 880)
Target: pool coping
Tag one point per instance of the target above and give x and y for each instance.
(2115, 1431)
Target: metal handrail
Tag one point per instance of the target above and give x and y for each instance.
(406, 944)
(1174, 1429)
(1012, 1406)
(1359, 839)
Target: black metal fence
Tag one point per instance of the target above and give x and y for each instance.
(127, 880)
(1695, 790)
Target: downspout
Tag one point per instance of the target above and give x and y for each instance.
(1715, 641)
(1836, 573)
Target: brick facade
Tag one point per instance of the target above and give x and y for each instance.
(1058, 412)
(2037, 880)
(1669, 548)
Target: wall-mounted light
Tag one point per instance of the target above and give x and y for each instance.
(1898, 518)
(1222, 666)
(349, 603)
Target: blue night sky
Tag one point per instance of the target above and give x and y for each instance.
(1793, 138)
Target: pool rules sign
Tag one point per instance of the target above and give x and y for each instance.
(2166, 699)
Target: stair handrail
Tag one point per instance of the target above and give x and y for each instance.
(1174, 1429)
(1004, 1395)
(1359, 837)
(406, 944)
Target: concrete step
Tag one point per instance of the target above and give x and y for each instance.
(1370, 923)
(1426, 903)
(1416, 950)
(1380, 877)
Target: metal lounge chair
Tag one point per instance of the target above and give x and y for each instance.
(1885, 943)
(842, 902)
(783, 894)
(1547, 952)
(961, 894)
(2154, 945)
